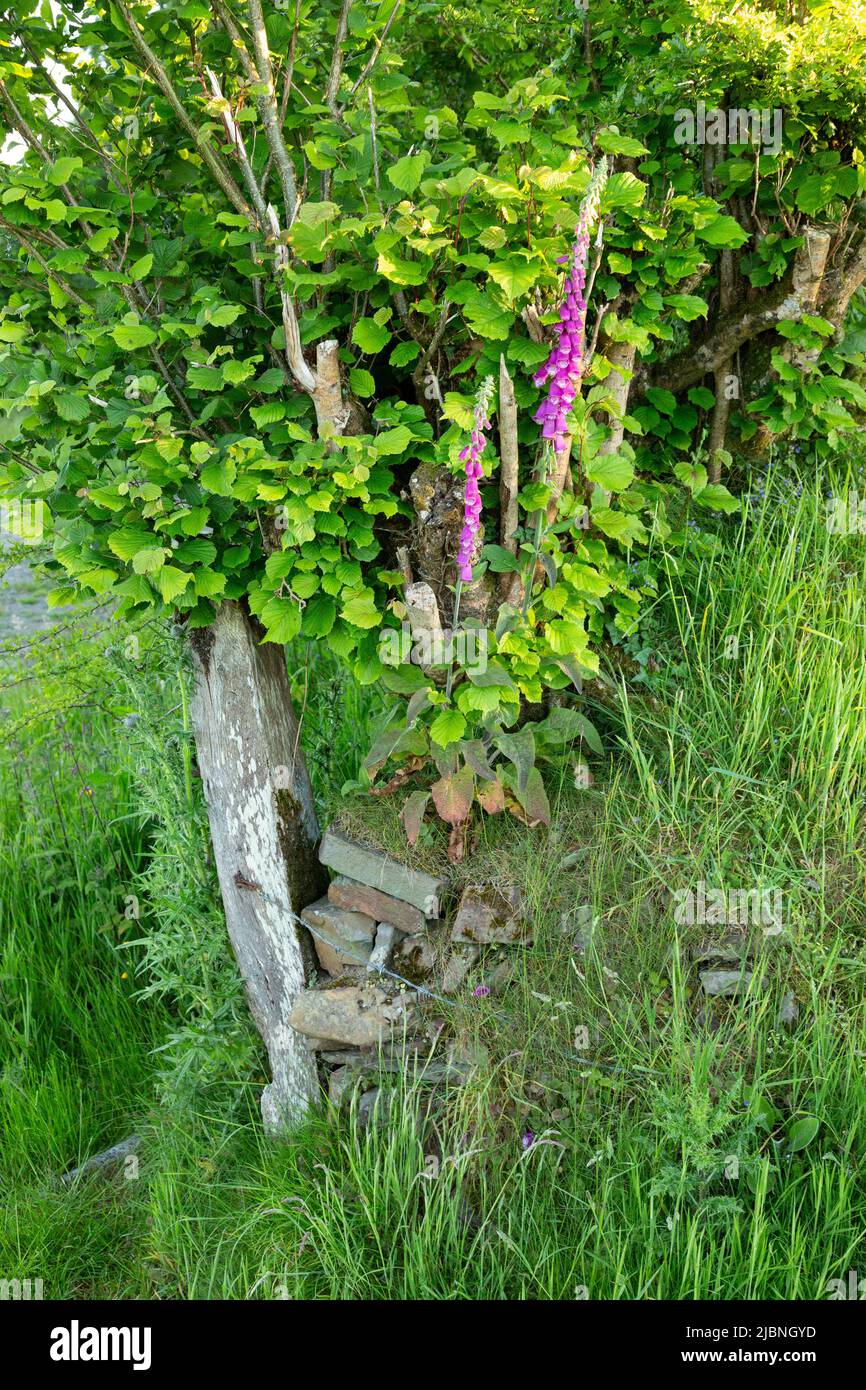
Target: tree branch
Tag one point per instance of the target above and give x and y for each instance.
(267, 104)
(155, 68)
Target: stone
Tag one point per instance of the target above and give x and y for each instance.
(386, 935)
(373, 1108)
(727, 982)
(459, 963)
(378, 871)
(414, 959)
(490, 915)
(341, 938)
(789, 1012)
(732, 948)
(340, 1084)
(351, 1014)
(358, 897)
(500, 976)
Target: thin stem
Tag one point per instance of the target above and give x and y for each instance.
(457, 592)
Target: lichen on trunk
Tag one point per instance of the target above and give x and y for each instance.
(265, 836)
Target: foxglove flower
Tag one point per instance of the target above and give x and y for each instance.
(564, 367)
(470, 457)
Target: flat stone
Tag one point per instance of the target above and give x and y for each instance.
(358, 897)
(341, 938)
(500, 976)
(731, 948)
(726, 982)
(354, 1014)
(386, 935)
(414, 959)
(378, 871)
(488, 915)
(341, 1084)
(789, 1012)
(459, 963)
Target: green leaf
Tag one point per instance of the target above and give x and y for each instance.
(126, 542)
(319, 616)
(209, 583)
(393, 441)
(205, 378)
(723, 231)
(133, 335)
(448, 727)
(197, 551)
(224, 314)
(404, 353)
(361, 382)
(717, 497)
(171, 582)
(610, 471)
(663, 400)
(63, 170)
(408, 172)
(515, 276)
(370, 336)
(142, 267)
(691, 475)
(269, 381)
(802, 1132)
(623, 190)
(611, 142)
(218, 476)
(148, 560)
(499, 560)
(687, 306)
(72, 408)
(281, 618)
(565, 725)
(361, 611)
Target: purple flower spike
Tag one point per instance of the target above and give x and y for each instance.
(564, 366)
(470, 457)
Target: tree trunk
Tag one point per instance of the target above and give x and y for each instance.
(264, 834)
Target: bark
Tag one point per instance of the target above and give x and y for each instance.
(264, 833)
(795, 296)
(618, 382)
(722, 407)
(509, 464)
(437, 497)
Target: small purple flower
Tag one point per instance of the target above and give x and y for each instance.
(470, 456)
(481, 991)
(528, 1139)
(564, 367)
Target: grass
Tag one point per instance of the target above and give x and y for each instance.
(666, 1158)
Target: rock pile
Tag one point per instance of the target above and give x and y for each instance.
(376, 923)
(379, 935)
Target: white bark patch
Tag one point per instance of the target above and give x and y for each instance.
(264, 838)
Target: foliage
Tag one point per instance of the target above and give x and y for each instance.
(162, 250)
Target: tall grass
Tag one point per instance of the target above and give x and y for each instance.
(620, 1135)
